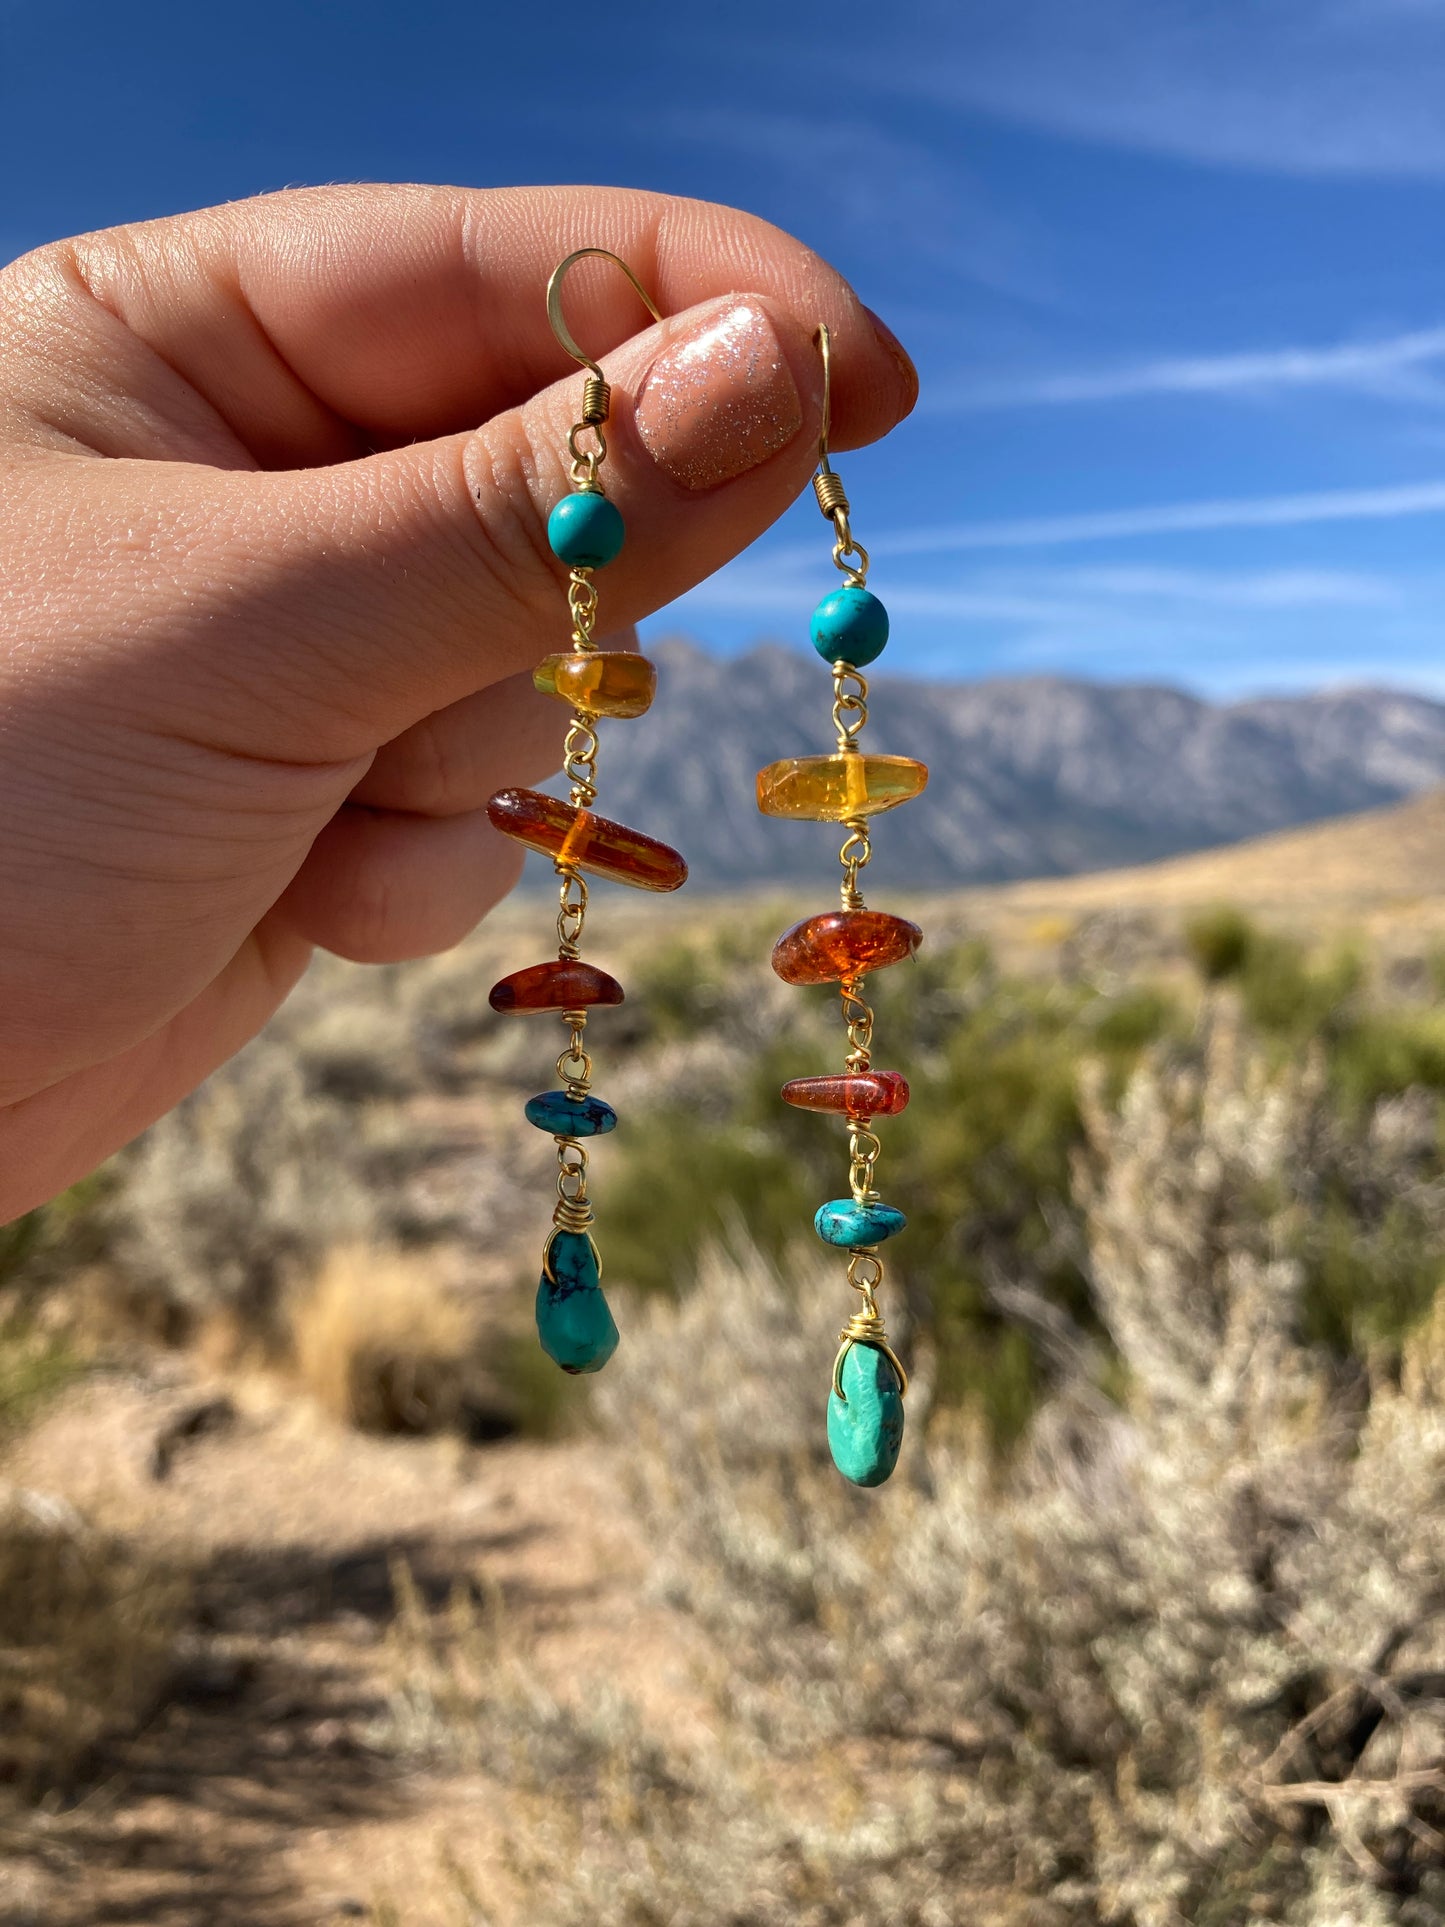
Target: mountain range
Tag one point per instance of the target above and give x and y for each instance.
(1031, 776)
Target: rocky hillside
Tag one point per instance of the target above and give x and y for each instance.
(1032, 776)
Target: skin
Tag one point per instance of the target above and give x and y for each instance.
(271, 597)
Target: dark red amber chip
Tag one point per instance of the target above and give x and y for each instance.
(563, 984)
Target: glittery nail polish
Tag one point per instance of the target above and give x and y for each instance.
(721, 400)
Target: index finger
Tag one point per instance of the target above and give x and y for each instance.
(407, 312)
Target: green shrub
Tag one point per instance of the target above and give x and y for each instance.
(1219, 942)
(980, 1160)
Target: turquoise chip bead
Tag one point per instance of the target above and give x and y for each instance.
(574, 1321)
(846, 1222)
(865, 1427)
(851, 626)
(585, 531)
(561, 1115)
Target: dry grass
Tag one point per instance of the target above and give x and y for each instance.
(382, 1342)
(88, 1640)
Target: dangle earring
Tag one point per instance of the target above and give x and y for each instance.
(849, 630)
(585, 531)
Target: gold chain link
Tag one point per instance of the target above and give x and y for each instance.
(857, 851)
(571, 912)
(579, 758)
(582, 602)
(574, 1210)
(859, 1018)
(850, 705)
(574, 1066)
(586, 461)
(864, 1149)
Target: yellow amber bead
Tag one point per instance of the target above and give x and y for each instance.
(614, 683)
(830, 789)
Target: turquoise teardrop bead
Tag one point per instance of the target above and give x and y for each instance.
(574, 1321)
(846, 1222)
(851, 626)
(866, 1432)
(561, 1115)
(585, 531)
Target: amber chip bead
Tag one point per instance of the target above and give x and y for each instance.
(568, 834)
(564, 983)
(830, 789)
(840, 945)
(604, 684)
(851, 1094)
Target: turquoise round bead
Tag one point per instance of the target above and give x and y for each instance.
(851, 626)
(845, 1222)
(585, 531)
(865, 1427)
(561, 1115)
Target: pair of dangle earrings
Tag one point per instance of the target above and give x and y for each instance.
(843, 946)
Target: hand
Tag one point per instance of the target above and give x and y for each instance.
(271, 597)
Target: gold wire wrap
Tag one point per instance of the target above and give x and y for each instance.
(866, 1326)
(828, 487)
(596, 401)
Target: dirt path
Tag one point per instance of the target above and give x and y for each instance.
(265, 1792)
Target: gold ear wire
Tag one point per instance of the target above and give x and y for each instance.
(554, 300)
(850, 555)
(596, 395)
(825, 344)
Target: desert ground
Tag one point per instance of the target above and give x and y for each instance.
(323, 1597)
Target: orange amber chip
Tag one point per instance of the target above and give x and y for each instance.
(856, 1094)
(830, 789)
(571, 835)
(562, 984)
(604, 684)
(840, 945)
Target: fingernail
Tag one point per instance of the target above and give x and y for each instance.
(721, 400)
(896, 353)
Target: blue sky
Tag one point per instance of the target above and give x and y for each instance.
(1174, 274)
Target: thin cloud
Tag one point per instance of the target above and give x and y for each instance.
(1180, 518)
(1294, 87)
(1082, 598)
(891, 186)
(1392, 368)
(1260, 589)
